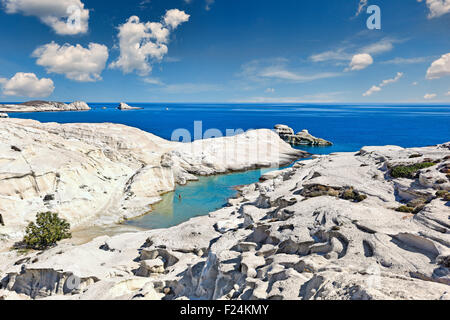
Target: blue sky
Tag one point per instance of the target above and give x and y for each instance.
(225, 51)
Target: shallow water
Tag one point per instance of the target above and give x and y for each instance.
(197, 199)
(350, 127)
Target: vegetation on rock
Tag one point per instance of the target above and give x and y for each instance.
(410, 171)
(405, 209)
(46, 232)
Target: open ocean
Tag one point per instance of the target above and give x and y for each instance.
(349, 127)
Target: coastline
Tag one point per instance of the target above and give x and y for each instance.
(111, 172)
(309, 245)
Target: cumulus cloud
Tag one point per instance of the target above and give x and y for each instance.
(143, 43)
(448, 93)
(437, 7)
(439, 68)
(383, 83)
(65, 17)
(27, 85)
(175, 17)
(430, 96)
(360, 61)
(75, 62)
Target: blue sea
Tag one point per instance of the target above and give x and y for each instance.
(349, 127)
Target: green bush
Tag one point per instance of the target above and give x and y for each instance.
(409, 171)
(46, 232)
(405, 209)
(441, 194)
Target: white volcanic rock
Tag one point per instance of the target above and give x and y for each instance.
(124, 106)
(4, 115)
(301, 138)
(99, 174)
(323, 229)
(44, 106)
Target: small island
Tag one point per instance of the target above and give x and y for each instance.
(303, 138)
(123, 106)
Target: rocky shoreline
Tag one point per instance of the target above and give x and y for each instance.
(44, 106)
(100, 174)
(327, 228)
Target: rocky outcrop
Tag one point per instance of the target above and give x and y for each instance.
(123, 106)
(4, 115)
(100, 174)
(323, 229)
(301, 138)
(44, 106)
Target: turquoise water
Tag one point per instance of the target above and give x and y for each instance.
(197, 199)
(350, 127)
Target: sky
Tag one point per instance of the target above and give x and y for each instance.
(225, 51)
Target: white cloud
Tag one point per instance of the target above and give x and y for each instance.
(399, 60)
(154, 81)
(338, 54)
(437, 7)
(143, 43)
(430, 96)
(270, 90)
(269, 70)
(175, 17)
(360, 61)
(65, 17)
(371, 91)
(75, 62)
(27, 85)
(383, 84)
(448, 93)
(439, 68)
(382, 46)
(348, 52)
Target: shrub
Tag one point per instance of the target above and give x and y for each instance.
(405, 209)
(441, 193)
(46, 232)
(409, 171)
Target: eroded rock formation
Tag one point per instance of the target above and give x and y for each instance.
(97, 174)
(301, 138)
(324, 229)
